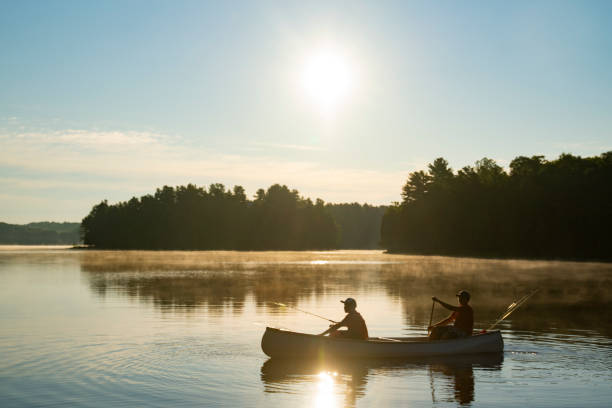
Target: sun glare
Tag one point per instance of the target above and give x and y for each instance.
(325, 397)
(327, 79)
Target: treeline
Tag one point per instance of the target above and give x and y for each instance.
(40, 233)
(539, 208)
(359, 224)
(192, 217)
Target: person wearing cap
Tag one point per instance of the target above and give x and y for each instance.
(462, 316)
(356, 326)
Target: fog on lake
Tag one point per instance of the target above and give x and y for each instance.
(159, 328)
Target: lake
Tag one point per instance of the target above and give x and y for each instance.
(140, 328)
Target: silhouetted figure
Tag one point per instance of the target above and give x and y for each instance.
(356, 326)
(462, 315)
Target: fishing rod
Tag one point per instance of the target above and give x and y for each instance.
(267, 325)
(513, 306)
(324, 318)
(303, 311)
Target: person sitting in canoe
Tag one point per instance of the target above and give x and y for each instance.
(462, 315)
(356, 326)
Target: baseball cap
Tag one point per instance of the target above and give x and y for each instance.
(463, 293)
(349, 301)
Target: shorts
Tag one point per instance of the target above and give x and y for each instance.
(346, 334)
(446, 332)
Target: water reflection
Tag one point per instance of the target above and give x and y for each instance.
(451, 379)
(458, 374)
(222, 281)
(92, 327)
(338, 383)
(325, 397)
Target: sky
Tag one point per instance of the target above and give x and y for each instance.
(339, 100)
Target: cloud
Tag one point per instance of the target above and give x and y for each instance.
(91, 165)
(289, 146)
(41, 183)
(77, 140)
(107, 139)
(21, 208)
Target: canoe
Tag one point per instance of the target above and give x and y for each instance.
(287, 344)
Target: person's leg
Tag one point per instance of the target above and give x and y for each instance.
(339, 333)
(453, 333)
(437, 332)
(448, 334)
(460, 333)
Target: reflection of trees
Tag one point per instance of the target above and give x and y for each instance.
(184, 280)
(569, 295)
(569, 292)
(277, 375)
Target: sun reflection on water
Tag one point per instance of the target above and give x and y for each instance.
(325, 397)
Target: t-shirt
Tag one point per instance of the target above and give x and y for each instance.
(357, 328)
(464, 319)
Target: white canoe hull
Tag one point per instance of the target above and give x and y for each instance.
(286, 344)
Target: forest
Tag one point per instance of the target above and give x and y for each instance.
(191, 217)
(40, 233)
(538, 209)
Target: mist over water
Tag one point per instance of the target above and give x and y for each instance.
(95, 328)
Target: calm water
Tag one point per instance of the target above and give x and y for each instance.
(85, 328)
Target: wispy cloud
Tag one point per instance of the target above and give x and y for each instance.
(79, 140)
(288, 146)
(90, 165)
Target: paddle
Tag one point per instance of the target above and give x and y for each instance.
(513, 306)
(433, 304)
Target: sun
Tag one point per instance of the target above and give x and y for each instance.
(327, 79)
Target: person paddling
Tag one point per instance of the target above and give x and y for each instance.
(462, 315)
(356, 326)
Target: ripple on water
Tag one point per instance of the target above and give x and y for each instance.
(164, 329)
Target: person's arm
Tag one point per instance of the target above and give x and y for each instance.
(334, 327)
(443, 322)
(445, 305)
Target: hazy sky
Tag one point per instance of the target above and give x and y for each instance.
(340, 100)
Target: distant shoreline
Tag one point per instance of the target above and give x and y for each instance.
(16, 247)
(40, 233)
